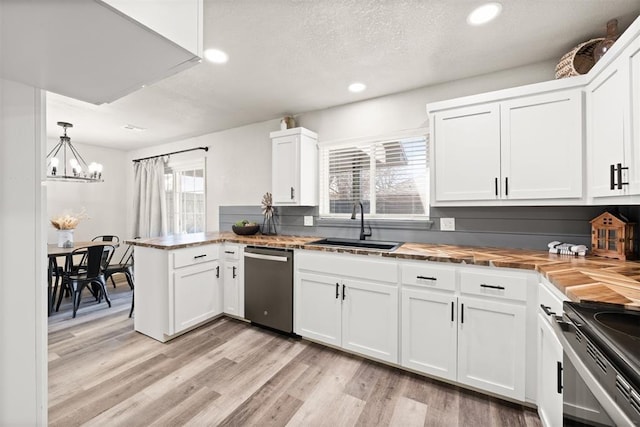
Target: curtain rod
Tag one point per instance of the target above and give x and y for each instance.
(173, 152)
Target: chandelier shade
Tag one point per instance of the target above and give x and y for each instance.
(64, 162)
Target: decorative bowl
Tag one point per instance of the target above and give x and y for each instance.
(246, 230)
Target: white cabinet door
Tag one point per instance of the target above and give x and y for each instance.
(285, 169)
(232, 288)
(491, 346)
(196, 295)
(549, 398)
(429, 332)
(318, 307)
(634, 67)
(467, 153)
(541, 146)
(370, 319)
(606, 103)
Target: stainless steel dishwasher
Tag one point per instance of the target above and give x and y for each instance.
(268, 287)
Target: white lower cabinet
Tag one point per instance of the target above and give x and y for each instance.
(491, 346)
(472, 331)
(177, 289)
(360, 315)
(233, 280)
(429, 332)
(197, 295)
(549, 375)
(466, 324)
(318, 314)
(370, 319)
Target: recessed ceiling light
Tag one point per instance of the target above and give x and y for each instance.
(483, 14)
(357, 87)
(216, 56)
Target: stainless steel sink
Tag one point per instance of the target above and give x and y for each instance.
(356, 243)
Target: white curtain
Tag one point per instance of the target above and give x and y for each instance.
(149, 204)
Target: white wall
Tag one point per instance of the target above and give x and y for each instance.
(23, 285)
(238, 166)
(239, 160)
(105, 202)
(407, 110)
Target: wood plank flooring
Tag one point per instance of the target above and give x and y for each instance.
(230, 373)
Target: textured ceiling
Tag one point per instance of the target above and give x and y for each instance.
(293, 56)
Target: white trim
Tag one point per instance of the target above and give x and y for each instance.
(370, 141)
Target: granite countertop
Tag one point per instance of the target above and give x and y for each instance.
(580, 278)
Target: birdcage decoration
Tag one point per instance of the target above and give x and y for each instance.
(612, 236)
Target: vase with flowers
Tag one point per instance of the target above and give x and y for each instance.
(65, 224)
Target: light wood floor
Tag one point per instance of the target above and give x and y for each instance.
(230, 373)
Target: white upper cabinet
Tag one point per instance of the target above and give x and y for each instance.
(294, 167)
(613, 126)
(514, 149)
(539, 134)
(467, 153)
(91, 51)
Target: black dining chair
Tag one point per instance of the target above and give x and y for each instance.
(124, 266)
(98, 258)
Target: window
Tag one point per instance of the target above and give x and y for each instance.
(185, 195)
(389, 176)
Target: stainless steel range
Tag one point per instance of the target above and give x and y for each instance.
(601, 369)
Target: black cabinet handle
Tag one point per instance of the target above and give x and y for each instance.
(337, 290)
(461, 313)
(234, 271)
(482, 285)
(547, 310)
(612, 177)
(343, 291)
(229, 252)
(292, 193)
(495, 182)
(217, 272)
(620, 169)
(506, 186)
(199, 256)
(559, 378)
(452, 308)
(426, 278)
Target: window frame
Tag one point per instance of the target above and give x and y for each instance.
(323, 166)
(173, 168)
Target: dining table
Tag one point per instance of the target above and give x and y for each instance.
(53, 253)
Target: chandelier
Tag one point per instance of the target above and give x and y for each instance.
(78, 170)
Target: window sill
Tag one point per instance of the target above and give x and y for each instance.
(399, 224)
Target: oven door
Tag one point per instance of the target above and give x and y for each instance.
(579, 406)
(585, 400)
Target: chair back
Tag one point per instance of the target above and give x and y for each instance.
(127, 256)
(107, 238)
(97, 258)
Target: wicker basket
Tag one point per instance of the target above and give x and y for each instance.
(579, 61)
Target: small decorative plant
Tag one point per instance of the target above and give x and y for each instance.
(68, 221)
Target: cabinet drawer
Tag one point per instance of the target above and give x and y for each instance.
(427, 275)
(548, 299)
(231, 252)
(194, 255)
(494, 284)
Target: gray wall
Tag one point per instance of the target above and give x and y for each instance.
(508, 227)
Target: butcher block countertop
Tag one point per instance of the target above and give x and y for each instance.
(580, 278)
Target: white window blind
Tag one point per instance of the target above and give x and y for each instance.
(389, 177)
(186, 197)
